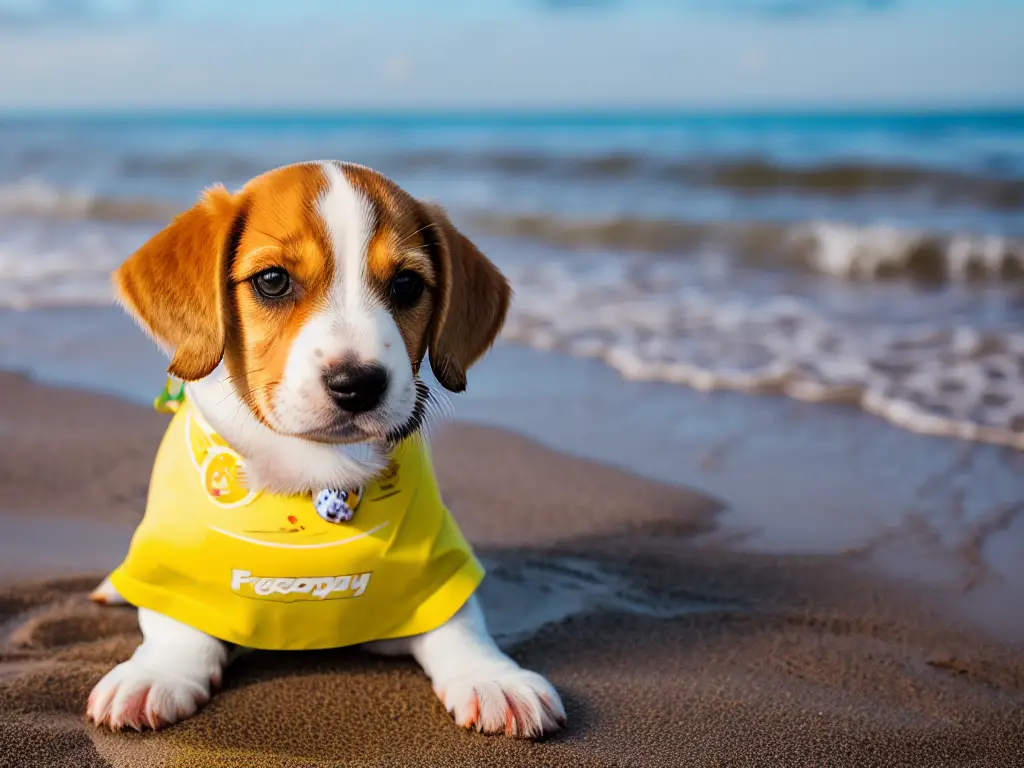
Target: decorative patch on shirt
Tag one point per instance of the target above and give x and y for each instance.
(337, 506)
(224, 478)
(221, 470)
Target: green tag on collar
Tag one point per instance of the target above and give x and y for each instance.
(172, 396)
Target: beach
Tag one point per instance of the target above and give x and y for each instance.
(744, 468)
(672, 640)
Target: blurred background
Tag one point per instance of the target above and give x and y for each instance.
(816, 199)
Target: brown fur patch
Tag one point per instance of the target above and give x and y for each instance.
(172, 284)
(400, 241)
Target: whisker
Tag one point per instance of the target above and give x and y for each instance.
(244, 395)
(408, 237)
(426, 407)
(244, 374)
(439, 408)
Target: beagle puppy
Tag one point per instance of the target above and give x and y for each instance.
(298, 311)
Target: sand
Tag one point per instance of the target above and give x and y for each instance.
(669, 647)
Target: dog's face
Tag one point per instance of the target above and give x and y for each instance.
(320, 287)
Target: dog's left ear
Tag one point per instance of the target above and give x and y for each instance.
(471, 305)
(173, 284)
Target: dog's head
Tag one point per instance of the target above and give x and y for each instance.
(320, 287)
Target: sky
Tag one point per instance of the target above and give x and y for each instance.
(510, 54)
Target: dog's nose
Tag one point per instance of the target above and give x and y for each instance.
(357, 388)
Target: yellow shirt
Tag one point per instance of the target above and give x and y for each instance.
(269, 571)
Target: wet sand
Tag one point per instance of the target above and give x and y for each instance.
(670, 646)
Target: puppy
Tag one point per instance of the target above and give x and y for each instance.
(298, 312)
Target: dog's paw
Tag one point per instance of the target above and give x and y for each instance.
(503, 699)
(133, 695)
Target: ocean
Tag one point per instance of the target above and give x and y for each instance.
(875, 260)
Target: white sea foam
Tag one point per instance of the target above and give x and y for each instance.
(868, 252)
(849, 251)
(945, 381)
(44, 268)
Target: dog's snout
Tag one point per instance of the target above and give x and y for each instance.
(357, 388)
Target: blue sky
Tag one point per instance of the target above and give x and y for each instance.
(510, 54)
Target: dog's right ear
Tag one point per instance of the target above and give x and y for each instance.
(472, 304)
(173, 284)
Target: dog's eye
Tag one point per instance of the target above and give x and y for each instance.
(406, 288)
(272, 284)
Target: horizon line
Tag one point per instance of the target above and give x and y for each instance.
(511, 113)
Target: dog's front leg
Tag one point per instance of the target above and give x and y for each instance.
(478, 684)
(166, 680)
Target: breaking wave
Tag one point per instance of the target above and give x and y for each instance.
(62, 266)
(833, 248)
(36, 198)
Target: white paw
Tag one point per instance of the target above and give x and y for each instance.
(137, 696)
(503, 699)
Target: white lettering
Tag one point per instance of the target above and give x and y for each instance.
(359, 584)
(238, 578)
(320, 587)
(323, 587)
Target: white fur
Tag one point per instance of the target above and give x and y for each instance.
(167, 678)
(276, 462)
(354, 324)
(475, 680)
(171, 674)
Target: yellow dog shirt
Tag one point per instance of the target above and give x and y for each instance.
(297, 572)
